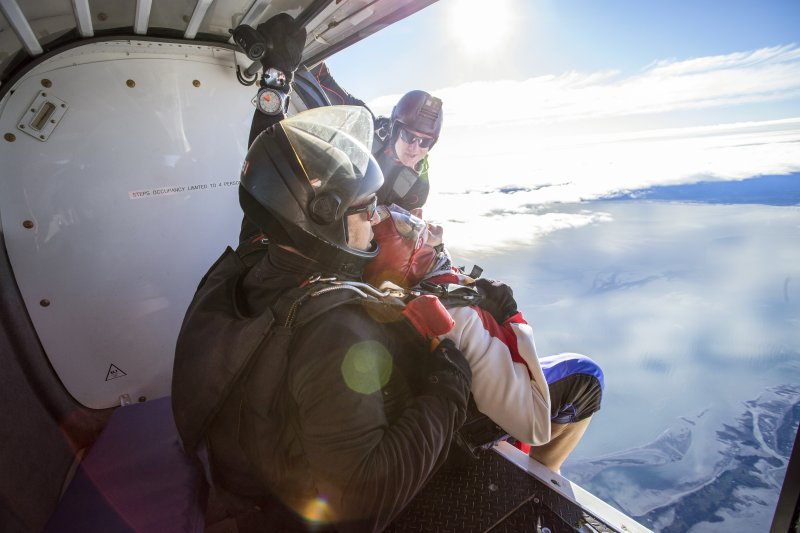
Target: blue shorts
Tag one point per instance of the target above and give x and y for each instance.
(576, 386)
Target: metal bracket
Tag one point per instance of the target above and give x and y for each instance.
(42, 116)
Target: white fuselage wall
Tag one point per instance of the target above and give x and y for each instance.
(111, 220)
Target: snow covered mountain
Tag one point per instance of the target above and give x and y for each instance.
(687, 480)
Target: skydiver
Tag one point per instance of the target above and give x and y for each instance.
(337, 434)
(402, 141)
(546, 402)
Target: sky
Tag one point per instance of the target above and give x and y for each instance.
(688, 302)
(553, 101)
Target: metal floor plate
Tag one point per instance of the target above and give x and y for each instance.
(492, 494)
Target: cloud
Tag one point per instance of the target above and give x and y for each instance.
(504, 232)
(579, 136)
(763, 75)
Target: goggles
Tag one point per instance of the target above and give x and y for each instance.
(366, 208)
(410, 138)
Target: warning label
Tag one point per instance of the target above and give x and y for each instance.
(114, 372)
(178, 189)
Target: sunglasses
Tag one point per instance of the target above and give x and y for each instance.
(410, 138)
(367, 208)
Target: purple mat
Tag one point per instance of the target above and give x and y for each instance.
(135, 478)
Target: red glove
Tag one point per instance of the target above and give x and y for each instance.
(428, 316)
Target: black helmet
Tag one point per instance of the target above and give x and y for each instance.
(302, 175)
(418, 111)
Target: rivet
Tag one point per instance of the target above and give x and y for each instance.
(44, 94)
(493, 487)
(131, 83)
(63, 105)
(196, 83)
(44, 302)
(47, 83)
(142, 399)
(27, 224)
(102, 16)
(22, 126)
(33, 111)
(536, 500)
(41, 137)
(10, 137)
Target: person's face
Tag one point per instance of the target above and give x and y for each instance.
(408, 149)
(359, 225)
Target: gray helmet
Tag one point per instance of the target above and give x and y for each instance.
(302, 175)
(418, 111)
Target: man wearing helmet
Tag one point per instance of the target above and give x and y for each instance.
(348, 426)
(402, 140)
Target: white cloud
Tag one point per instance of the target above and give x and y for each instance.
(745, 77)
(597, 133)
(760, 75)
(501, 233)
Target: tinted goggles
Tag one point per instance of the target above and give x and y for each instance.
(410, 138)
(367, 208)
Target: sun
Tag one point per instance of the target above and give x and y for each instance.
(479, 27)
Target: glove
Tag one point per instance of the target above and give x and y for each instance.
(428, 316)
(383, 128)
(285, 42)
(447, 373)
(497, 298)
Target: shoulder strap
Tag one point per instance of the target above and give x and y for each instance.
(299, 306)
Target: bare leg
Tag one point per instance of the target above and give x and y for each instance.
(564, 438)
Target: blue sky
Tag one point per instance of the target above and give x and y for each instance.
(563, 101)
(554, 36)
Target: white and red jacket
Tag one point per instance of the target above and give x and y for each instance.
(508, 384)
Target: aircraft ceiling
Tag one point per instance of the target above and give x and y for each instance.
(30, 29)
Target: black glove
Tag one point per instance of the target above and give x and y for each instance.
(383, 128)
(447, 373)
(497, 298)
(285, 42)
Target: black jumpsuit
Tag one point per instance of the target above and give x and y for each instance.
(358, 442)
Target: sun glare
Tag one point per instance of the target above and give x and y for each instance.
(480, 28)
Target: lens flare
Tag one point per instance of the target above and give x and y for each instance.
(367, 367)
(317, 511)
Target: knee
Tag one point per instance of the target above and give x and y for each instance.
(587, 365)
(567, 364)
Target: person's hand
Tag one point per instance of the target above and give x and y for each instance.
(446, 373)
(435, 233)
(497, 298)
(428, 316)
(383, 128)
(285, 42)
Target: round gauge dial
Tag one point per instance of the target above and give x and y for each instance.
(270, 101)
